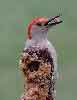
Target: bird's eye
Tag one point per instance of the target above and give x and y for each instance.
(39, 24)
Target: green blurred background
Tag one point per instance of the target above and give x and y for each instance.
(14, 18)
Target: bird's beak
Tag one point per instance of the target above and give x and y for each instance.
(52, 21)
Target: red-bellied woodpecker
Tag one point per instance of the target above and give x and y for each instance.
(39, 47)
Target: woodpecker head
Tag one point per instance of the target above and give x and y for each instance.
(39, 27)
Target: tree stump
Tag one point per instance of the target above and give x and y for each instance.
(38, 71)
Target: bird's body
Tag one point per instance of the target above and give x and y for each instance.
(44, 44)
(39, 61)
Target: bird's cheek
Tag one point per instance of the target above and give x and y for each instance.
(34, 28)
(44, 29)
(41, 30)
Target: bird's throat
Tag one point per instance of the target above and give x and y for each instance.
(40, 36)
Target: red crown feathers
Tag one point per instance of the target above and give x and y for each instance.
(34, 21)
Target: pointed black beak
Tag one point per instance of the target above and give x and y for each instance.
(52, 21)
